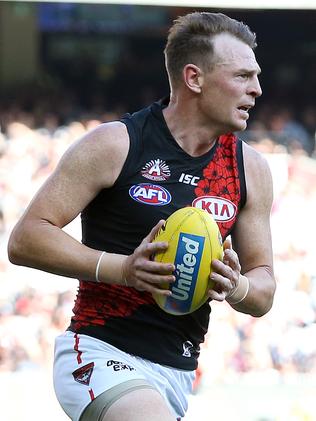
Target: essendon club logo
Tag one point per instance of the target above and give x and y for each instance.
(156, 170)
(222, 210)
(83, 374)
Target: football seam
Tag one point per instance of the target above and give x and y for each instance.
(209, 240)
(177, 229)
(207, 230)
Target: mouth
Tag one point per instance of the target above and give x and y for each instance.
(244, 109)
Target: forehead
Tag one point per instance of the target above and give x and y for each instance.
(232, 52)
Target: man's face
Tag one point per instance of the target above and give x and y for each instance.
(231, 86)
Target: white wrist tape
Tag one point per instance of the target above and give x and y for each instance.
(112, 268)
(98, 266)
(240, 292)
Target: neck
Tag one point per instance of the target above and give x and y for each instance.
(187, 128)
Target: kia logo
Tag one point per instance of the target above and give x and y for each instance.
(221, 209)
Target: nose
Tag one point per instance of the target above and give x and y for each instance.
(255, 88)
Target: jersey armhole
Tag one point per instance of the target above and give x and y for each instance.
(241, 170)
(132, 135)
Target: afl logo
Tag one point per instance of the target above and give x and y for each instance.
(156, 170)
(222, 210)
(150, 194)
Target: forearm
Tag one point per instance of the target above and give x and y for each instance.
(43, 246)
(259, 298)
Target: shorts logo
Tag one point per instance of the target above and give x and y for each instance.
(150, 194)
(83, 374)
(187, 348)
(156, 170)
(119, 366)
(223, 210)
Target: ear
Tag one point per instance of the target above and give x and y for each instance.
(193, 77)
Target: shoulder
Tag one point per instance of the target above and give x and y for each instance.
(101, 152)
(255, 162)
(257, 173)
(107, 136)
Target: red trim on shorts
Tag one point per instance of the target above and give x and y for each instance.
(91, 394)
(76, 348)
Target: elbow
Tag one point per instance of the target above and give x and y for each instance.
(262, 311)
(12, 251)
(265, 304)
(15, 249)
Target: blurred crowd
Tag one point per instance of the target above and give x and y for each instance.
(34, 307)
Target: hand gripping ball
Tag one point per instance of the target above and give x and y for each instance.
(194, 241)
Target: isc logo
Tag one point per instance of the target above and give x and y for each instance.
(187, 263)
(188, 179)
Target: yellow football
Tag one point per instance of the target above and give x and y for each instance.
(194, 241)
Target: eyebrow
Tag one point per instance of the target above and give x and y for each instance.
(250, 72)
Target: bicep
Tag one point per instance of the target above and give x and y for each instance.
(88, 166)
(62, 197)
(252, 233)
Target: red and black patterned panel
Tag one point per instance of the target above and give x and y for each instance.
(221, 180)
(97, 303)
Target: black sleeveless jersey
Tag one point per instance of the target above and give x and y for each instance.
(157, 178)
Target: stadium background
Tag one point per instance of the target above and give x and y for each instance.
(66, 67)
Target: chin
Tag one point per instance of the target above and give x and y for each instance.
(234, 125)
(237, 128)
(240, 126)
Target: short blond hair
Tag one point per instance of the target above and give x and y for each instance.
(190, 40)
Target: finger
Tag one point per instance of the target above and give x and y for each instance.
(152, 288)
(161, 291)
(221, 270)
(227, 244)
(149, 249)
(221, 282)
(216, 295)
(231, 259)
(151, 236)
(152, 278)
(158, 267)
(218, 265)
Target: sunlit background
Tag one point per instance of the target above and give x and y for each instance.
(66, 67)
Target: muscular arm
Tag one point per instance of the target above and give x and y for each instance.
(39, 241)
(89, 165)
(251, 254)
(252, 236)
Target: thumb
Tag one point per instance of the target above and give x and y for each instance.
(227, 244)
